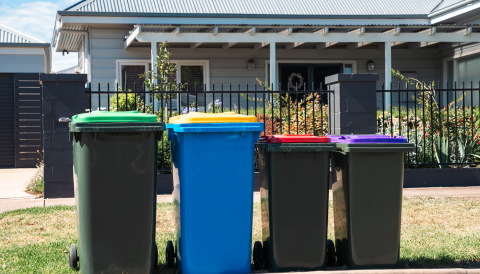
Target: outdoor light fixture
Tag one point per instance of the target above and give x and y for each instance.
(251, 65)
(370, 65)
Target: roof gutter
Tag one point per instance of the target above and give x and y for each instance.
(26, 45)
(215, 15)
(449, 8)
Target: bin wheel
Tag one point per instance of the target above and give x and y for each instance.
(170, 254)
(258, 260)
(73, 257)
(156, 256)
(330, 253)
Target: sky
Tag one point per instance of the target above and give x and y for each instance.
(37, 19)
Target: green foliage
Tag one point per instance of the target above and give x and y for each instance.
(126, 102)
(36, 183)
(161, 79)
(442, 150)
(307, 115)
(467, 150)
(435, 129)
(164, 154)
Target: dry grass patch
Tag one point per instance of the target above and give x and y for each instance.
(443, 232)
(37, 225)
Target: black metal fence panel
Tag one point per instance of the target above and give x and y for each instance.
(289, 111)
(442, 121)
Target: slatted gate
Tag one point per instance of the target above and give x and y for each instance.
(28, 120)
(7, 133)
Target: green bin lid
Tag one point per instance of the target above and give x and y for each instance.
(122, 121)
(114, 117)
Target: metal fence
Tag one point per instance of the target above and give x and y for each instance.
(442, 121)
(290, 111)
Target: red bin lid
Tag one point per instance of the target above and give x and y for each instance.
(290, 138)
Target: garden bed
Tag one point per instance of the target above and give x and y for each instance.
(436, 233)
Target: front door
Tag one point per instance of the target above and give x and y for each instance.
(306, 77)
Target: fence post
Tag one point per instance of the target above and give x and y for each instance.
(63, 97)
(353, 105)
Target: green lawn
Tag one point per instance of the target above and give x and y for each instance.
(441, 232)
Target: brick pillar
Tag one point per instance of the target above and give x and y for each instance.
(353, 105)
(63, 97)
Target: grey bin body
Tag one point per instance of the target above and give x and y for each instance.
(294, 187)
(367, 204)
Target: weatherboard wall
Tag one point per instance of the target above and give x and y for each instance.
(22, 63)
(230, 65)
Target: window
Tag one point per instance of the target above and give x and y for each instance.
(191, 72)
(348, 68)
(128, 74)
(193, 75)
(130, 77)
(465, 72)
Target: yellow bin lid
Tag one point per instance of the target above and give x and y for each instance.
(199, 117)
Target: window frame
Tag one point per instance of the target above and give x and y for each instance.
(128, 62)
(179, 63)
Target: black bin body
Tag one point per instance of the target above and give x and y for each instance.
(294, 188)
(115, 173)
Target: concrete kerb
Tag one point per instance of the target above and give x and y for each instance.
(433, 192)
(404, 271)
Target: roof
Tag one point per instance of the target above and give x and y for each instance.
(9, 35)
(68, 71)
(277, 7)
(447, 3)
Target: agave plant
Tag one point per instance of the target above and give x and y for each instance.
(466, 150)
(442, 150)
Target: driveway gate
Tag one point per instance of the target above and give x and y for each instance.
(21, 140)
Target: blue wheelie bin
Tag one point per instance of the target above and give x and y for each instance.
(212, 162)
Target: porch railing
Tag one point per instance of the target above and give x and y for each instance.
(290, 111)
(442, 121)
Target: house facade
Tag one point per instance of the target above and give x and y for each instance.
(22, 58)
(22, 53)
(231, 42)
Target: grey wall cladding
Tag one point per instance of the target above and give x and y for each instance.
(63, 96)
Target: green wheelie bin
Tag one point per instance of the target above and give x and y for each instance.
(115, 177)
(367, 177)
(294, 182)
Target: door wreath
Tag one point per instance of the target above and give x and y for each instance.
(300, 79)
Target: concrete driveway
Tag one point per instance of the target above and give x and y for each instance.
(13, 182)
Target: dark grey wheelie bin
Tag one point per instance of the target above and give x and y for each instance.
(294, 179)
(115, 171)
(367, 176)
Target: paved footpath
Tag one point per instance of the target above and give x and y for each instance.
(13, 182)
(434, 192)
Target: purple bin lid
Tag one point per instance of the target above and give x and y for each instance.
(366, 139)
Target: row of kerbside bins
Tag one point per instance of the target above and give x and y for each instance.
(115, 159)
(367, 183)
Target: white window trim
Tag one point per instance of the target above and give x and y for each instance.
(146, 62)
(204, 63)
(445, 68)
(128, 62)
(344, 62)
